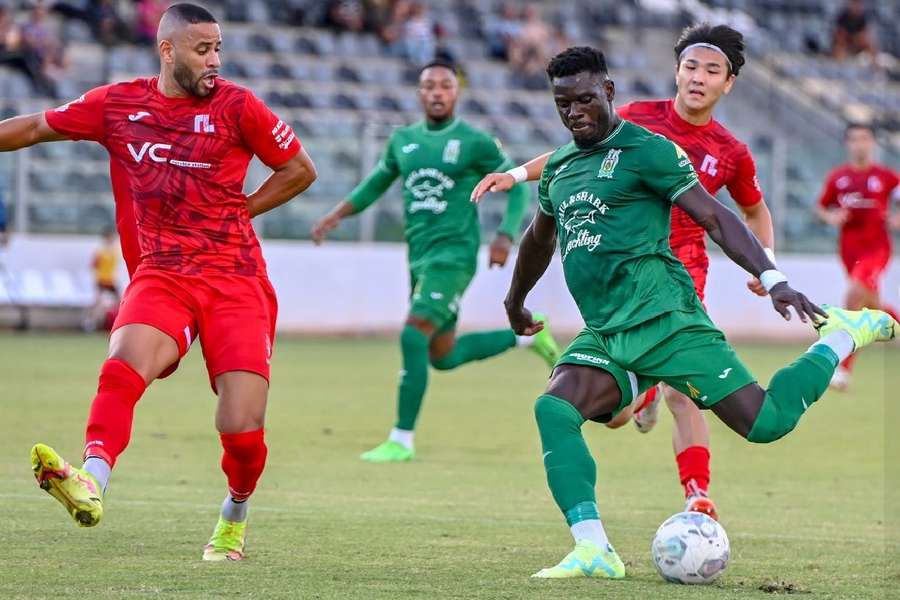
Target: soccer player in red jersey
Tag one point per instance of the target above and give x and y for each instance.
(708, 60)
(856, 198)
(179, 146)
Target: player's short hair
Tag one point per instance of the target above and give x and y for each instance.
(858, 125)
(729, 40)
(439, 62)
(578, 59)
(190, 13)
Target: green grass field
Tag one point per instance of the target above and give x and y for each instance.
(470, 518)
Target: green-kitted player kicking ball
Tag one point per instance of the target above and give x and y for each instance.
(606, 196)
(440, 159)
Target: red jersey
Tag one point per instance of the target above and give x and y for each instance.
(180, 164)
(718, 157)
(866, 194)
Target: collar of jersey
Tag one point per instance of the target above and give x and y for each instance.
(442, 130)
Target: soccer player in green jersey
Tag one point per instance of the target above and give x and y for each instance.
(606, 196)
(439, 159)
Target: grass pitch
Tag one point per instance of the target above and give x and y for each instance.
(470, 518)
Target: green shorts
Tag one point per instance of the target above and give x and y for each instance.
(683, 349)
(437, 291)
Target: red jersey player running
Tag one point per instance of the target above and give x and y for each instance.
(708, 60)
(179, 146)
(857, 198)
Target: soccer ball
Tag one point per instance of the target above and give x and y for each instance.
(690, 547)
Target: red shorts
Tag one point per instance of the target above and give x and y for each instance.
(866, 265)
(234, 316)
(696, 261)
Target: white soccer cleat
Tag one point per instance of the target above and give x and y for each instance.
(647, 414)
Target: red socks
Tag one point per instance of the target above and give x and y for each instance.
(243, 461)
(693, 470)
(112, 411)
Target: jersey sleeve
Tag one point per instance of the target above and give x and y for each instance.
(669, 172)
(828, 197)
(491, 157)
(544, 204)
(267, 136)
(377, 181)
(744, 185)
(624, 111)
(81, 119)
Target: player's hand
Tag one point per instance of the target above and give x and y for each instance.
(498, 253)
(493, 182)
(325, 225)
(756, 286)
(521, 321)
(784, 296)
(837, 216)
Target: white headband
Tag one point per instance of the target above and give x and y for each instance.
(709, 46)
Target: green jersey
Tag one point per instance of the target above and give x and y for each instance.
(611, 203)
(439, 167)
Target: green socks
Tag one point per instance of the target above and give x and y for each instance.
(413, 378)
(792, 390)
(571, 472)
(476, 346)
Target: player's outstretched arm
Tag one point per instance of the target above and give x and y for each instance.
(502, 182)
(26, 130)
(535, 253)
(286, 181)
(731, 234)
(759, 220)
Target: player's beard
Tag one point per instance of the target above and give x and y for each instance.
(185, 78)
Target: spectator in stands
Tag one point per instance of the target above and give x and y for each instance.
(105, 265)
(101, 16)
(14, 54)
(345, 15)
(852, 34)
(39, 40)
(4, 235)
(501, 29)
(529, 51)
(149, 12)
(418, 35)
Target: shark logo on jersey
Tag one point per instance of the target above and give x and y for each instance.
(580, 219)
(451, 152)
(427, 187)
(409, 148)
(609, 164)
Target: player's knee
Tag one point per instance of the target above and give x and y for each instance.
(553, 412)
(444, 363)
(679, 403)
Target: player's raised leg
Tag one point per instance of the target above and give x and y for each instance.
(138, 353)
(240, 417)
(767, 415)
(576, 393)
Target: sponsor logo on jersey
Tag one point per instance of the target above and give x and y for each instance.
(202, 124)
(609, 164)
(138, 116)
(725, 373)
(579, 235)
(588, 358)
(156, 153)
(427, 187)
(855, 200)
(709, 165)
(409, 148)
(874, 184)
(283, 134)
(451, 151)
(579, 219)
(66, 106)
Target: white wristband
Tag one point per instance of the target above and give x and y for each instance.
(771, 254)
(771, 278)
(520, 174)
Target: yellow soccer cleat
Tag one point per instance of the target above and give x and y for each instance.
(76, 489)
(865, 326)
(227, 541)
(586, 560)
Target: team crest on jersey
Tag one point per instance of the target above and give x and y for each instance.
(451, 151)
(202, 124)
(609, 164)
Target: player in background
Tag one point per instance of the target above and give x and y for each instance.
(607, 197)
(708, 59)
(857, 199)
(179, 146)
(439, 159)
(105, 265)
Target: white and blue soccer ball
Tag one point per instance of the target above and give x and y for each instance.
(690, 547)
